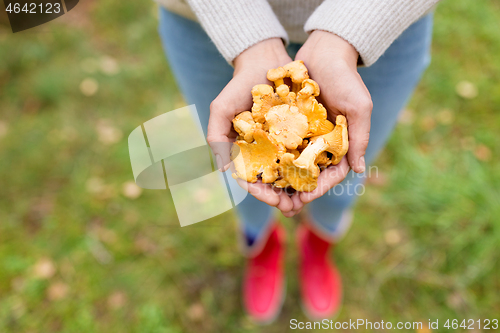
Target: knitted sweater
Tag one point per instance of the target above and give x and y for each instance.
(368, 25)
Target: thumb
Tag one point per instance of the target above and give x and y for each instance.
(359, 134)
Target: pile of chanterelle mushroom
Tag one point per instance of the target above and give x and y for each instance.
(286, 139)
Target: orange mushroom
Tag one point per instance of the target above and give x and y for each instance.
(314, 111)
(301, 179)
(287, 125)
(257, 158)
(244, 125)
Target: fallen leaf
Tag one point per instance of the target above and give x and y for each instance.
(89, 87)
(145, 245)
(455, 300)
(107, 133)
(201, 195)
(109, 65)
(94, 185)
(196, 312)
(379, 179)
(44, 268)
(18, 283)
(406, 117)
(4, 128)
(392, 237)
(131, 190)
(117, 300)
(482, 153)
(57, 291)
(445, 116)
(466, 89)
(425, 329)
(428, 123)
(468, 143)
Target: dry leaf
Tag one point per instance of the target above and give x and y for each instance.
(455, 300)
(445, 116)
(428, 123)
(18, 283)
(468, 143)
(109, 65)
(482, 153)
(131, 190)
(145, 245)
(407, 117)
(392, 237)
(117, 300)
(201, 195)
(44, 268)
(466, 89)
(107, 133)
(89, 87)
(94, 185)
(4, 128)
(57, 291)
(379, 179)
(425, 329)
(196, 312)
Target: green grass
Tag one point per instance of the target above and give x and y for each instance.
(425, 240)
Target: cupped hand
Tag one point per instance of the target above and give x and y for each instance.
(250, 69)
(332, 63)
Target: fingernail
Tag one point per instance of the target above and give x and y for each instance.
(218, 160)
(362, 165)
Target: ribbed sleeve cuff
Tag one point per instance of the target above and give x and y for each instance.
(235, 25)
(369, 25)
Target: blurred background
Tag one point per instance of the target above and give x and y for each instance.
(82, 249)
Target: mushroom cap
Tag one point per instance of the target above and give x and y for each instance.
(257, 157)
(323, 159)
(276, 74)
(316, 118)
(264, 98)
(337, 139)
(287, 125)
(309, 88)
(303, 180)
(297, 71)
(244, 124)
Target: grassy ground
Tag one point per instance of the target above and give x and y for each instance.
(81, 250)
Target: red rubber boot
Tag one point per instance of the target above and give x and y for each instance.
(263, 282)
(321, 285)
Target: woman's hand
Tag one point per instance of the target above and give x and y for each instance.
(250, 68)
(332, 63)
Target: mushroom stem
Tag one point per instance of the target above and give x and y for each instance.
(309, 155)
(278, 82)
(337, 140)
(245, 128)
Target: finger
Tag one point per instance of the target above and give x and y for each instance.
(327, 179)
(297, 203)
(285, 204)
(290, 214)
(219, 127)
(358, 120)
(262, 192)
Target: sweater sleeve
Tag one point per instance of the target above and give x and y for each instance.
(369, 25)
(235, 25)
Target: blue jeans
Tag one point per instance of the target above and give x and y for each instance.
(201, 73)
